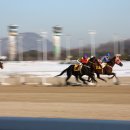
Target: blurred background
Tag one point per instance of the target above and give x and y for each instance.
(63, 29)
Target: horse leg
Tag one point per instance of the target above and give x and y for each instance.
(98, 76)
(93, 78)
(82, 79)
(117, 80)
(77, 78)
(89, 79)
(113, 75)
(68, 77)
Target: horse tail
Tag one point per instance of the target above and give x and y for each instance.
(62, 72)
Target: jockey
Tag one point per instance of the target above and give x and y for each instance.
(105, 58)
(83, 60)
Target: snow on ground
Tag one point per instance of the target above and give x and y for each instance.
(50, 68)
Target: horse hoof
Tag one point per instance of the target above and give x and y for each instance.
(85, 83)
(91, 84)
(68, 83)
(116, 83)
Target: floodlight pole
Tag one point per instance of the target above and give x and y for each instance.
(44, 45)
(12, 36)
(122, 46)
(92, 34)
(68, 42)
(20, 47)
(57, 32)
(116, 44)
(80, 48)
(38, 49)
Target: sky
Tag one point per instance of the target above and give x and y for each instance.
(77, 17)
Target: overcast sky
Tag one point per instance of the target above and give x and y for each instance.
(76, 17)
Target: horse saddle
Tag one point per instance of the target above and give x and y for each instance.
(98, 67)
(77, 67)
(103, 65)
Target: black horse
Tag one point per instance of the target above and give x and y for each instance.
(85, 70)
(107, 69)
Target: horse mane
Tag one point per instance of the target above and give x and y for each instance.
(95, 60)
(112, 60)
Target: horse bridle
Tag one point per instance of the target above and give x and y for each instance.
(92, 62)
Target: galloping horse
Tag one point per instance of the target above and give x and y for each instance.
(85, 70)
(107, 70)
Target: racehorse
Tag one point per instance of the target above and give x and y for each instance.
(85, 70)
(107, 70)
(1, 65)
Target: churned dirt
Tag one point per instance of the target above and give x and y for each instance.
(104, 101)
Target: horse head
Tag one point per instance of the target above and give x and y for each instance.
(94, 60)
(118, 61)
(1, 65)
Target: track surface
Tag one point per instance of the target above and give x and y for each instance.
(85, 102)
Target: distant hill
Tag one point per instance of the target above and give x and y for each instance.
(104, 48)
(109, 47)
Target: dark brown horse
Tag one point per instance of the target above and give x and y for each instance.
(1, 65)
(85, 70)
(107, 69)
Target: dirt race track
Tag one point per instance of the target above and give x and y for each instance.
(104, 101)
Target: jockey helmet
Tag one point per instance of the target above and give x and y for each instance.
(108, 54)
(85, 56)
